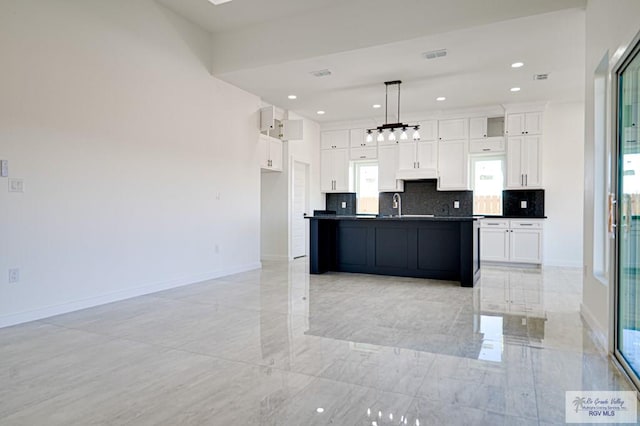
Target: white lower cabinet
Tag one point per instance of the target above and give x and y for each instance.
(334, 170)
(511, 240)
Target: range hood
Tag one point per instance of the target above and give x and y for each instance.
(417, 174)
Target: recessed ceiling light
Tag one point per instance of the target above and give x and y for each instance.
(517, 64)
(320, 410)
(219, 2)
(515, 89)
(376, 106)
(441, 98)
(320, 112)
(292, 97)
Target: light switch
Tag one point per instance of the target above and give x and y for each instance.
(456, 204)
(344, 204)
(523, 204)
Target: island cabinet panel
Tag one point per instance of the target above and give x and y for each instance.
(445, 249)
(392, 247)
(439, 248)
(354, 240)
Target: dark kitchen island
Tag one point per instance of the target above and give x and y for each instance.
(445, 248)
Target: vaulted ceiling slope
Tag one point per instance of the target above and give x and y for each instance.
(269, 47)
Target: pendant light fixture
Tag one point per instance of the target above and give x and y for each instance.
(391, 127)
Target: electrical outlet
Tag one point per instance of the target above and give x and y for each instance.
(217, 195)
(4, 168)
(523, 204)
(16, 185)
(14, 275)
(344, 204)
(456, 204)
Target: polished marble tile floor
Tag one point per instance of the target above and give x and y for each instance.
(278, 346)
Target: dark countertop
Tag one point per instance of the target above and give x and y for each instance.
(403, 218)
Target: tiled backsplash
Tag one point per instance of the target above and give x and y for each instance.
(422, 197)
(336, 201)
(523, 202)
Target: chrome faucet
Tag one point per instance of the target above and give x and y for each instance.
(397, 203)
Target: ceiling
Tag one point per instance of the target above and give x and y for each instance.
(269, 47)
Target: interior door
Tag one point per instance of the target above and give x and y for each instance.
(628, 216)
(298, 222)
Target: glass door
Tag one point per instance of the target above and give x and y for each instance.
(628, 215)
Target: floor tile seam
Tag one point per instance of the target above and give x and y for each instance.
(109, 337)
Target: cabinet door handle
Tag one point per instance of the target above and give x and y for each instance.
(526, 180)
(363, 156)
(418, 164)
(526, 224)
(486, 149)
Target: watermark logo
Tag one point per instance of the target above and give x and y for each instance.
(601, 407)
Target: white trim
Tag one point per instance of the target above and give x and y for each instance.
(76, 305)
(598, 333)
(275, 257)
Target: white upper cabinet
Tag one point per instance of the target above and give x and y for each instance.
(529, 123)
(272, 122)
(334, 139)
(387, 169)
(453, 165)
(417, 160)
(453, 129)
(358, 139)
(523, 162)
(478, 127)
(486, 134)
(334, 170)
(270, 153)
(428, 130)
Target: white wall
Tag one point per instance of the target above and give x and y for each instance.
(124, 140)
(610, 28)
(563, 177)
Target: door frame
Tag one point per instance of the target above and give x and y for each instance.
(625, 56)
(307, 172)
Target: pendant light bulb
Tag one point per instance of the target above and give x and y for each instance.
(369, 136)
(403, 135)
(380, 136)
(392, 136)
(416, 134)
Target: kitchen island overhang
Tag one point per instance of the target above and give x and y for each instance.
(444, 248)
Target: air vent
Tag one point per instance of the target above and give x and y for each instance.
(320, 73)
(540, 76)
(435, 54)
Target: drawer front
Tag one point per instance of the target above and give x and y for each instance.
(526, 224)
(494, 223)
(364, 153)
(495, 144)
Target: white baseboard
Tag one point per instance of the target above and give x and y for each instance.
(598, 332)
(275, 257)
(562, 263)
(75, 305)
